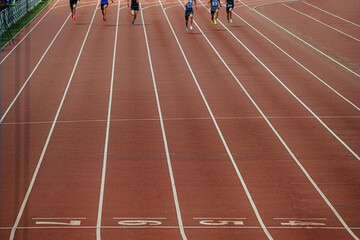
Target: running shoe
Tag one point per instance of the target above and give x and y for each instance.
(104, 18)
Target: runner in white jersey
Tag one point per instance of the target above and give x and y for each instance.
(189, 13)
(214, 10)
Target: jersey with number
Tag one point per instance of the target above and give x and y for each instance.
(214, 3)
(189, 5)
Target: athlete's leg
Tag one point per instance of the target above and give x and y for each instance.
(132, 15)
(135, 14)
(191, 20)
(73, 10)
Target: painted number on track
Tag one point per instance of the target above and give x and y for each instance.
(71, 223)
(302, 223)
(221, 222)
(140, 222)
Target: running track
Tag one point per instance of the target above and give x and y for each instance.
(248, 130)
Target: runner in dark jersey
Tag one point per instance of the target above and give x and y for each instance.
(73, 4)
(229, 8)
(134, 9)
(214, 10)
(189, 13)
(104, 5)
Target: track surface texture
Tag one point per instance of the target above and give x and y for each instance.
(247, 129)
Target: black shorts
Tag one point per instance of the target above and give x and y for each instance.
(188, 12)
(228, 6)
(72, 2)
(134, 6)
(103, 6)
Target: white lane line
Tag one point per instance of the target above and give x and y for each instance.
(173, 186)
(216, 218)
(271, 3)
(64, 218)
(278, 135)
(301, 218)
(297, 62)
(216, 125)
(301, 40)
(29, 31)
(103, 174)
(345, 20)
(145, 218)
(296, 97)
(316, 20)
(16, 224)
(35, 68)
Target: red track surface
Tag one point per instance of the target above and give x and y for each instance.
(243, 132)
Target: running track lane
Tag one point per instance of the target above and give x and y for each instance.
(321, 100)
(137, 186)
(194, 144)
(180, 28)
(305, 141)
(17, 67)
(326, 71)
(36, 105)
(71, 164)
(228, 45)
(338, 46)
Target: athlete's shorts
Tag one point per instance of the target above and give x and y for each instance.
(72, 2)
(134, 7)
(103, 5)
(228, 6)
(188, 11)
(213, 9)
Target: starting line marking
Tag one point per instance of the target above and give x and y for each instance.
(188, 227)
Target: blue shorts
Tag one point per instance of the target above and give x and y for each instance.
(188, 11)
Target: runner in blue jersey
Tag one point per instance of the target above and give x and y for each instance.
(189, 13)
(104, 5)
(214, 10)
